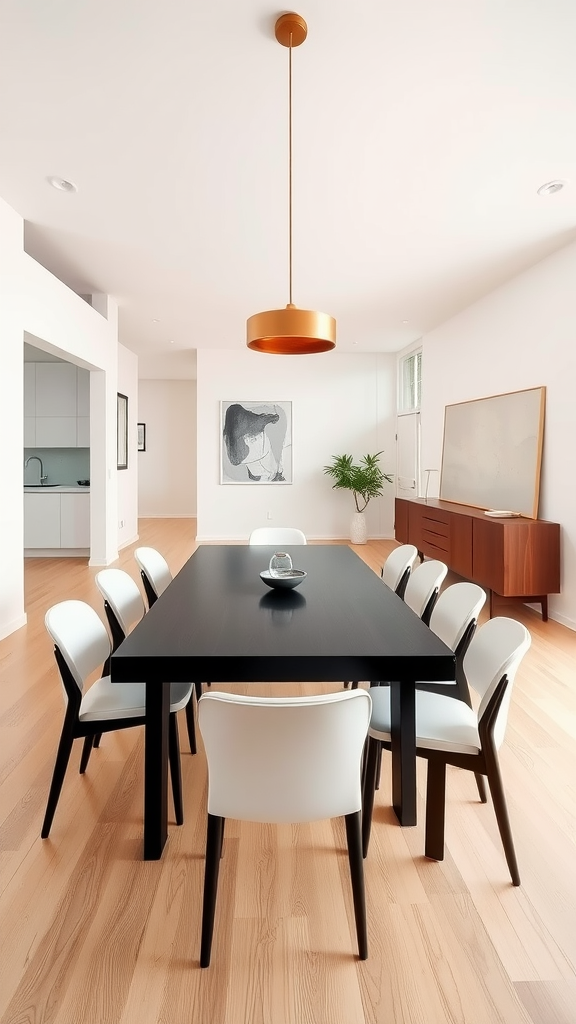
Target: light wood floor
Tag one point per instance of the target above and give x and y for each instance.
(90, 934)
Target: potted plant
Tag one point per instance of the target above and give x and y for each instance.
(365, 479)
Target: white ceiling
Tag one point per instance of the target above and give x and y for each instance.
(421, 133)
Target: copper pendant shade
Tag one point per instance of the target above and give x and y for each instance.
(291, 331)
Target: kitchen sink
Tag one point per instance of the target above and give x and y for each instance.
(36, 487)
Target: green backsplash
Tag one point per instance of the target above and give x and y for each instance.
(62, 465)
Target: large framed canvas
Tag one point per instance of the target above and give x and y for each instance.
(256, 442)
(492, 452)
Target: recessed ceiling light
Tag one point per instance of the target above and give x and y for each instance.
(155, 320)
(405, 321)
(551, 187)
(62, 184)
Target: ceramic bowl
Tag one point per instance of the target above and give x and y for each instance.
(285, 582)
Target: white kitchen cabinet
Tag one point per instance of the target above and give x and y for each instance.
(74, 520)
(56, 389)
(56, 406)
(29, 405)
(56, 432)
(82, 392)
(29, 389)
(29, 431)
(83, 432)
(58, 520)
(83, 408)
(42, 520)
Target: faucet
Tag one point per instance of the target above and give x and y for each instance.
(38, 459)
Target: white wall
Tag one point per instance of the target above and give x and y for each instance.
(167, 469)
(522, 335)
(341, 402)
(33, 301)
(128, 478)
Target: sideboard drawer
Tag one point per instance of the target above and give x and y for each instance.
(436, 541)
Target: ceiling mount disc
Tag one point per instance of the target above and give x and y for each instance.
(290, 25)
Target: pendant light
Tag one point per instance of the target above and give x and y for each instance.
(290, 331)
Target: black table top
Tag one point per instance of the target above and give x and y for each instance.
(218, 621)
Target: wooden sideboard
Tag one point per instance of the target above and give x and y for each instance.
(515, 559)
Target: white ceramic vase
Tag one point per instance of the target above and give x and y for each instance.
(358, 531)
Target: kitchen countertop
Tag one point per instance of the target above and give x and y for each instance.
(60, 489)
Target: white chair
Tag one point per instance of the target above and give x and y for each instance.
(420, 591)
(156, 575)
(398, 566)
(154, 571)
(283, 759)
(423, 587)
(124, 608)
(454, 619)
(282, 535)
(395, 574)
(82, 645)
(448, 731)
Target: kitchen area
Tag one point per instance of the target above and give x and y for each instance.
(56, 456)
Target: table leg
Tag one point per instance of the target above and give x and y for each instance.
(403, 736)
(156, 770)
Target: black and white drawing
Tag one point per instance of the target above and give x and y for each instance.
(256, 443)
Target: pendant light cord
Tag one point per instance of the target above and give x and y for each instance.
(290, 164)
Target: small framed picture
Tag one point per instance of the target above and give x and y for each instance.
(141, 437)
(122, 431)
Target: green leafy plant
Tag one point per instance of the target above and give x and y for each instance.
(365, 479)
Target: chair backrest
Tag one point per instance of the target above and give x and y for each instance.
(284, 535)
(122, 594)
(423, 587)
(398, 566)
(496, 649)
(284, 759)
(80, 636)
(155, 569)
(455, 612)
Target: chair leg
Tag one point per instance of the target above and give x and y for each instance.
(368, 791)
(175, 768)
(481, 783)
(354, 837)
(378, 768)
(97, 739)
(86, 751)
(501, 811)
(191, 725)
(435, 809)
(62, 758)
(212, 867)
(198, 689)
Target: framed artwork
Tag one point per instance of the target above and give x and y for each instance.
(141, 437)
(122, 431)
(256, 442)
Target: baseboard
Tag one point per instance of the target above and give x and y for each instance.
(56, 552)
(127, 543)
(10, 627)
(562, 619)
(167, 515)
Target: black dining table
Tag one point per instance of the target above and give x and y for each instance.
(218, 621)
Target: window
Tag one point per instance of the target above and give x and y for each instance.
(411, 382)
